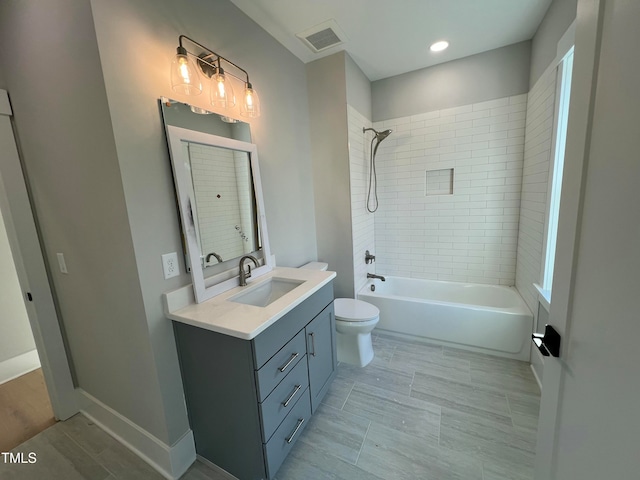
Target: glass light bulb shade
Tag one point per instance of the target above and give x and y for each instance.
(250, 106)
(184, 76)
(199, 110)
(439, 46)
(222, 94)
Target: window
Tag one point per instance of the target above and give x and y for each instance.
(555, 181)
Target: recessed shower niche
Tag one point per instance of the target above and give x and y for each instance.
(439, 182)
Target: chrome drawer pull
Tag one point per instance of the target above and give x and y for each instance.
(300, 422)
(284, 367)
(313, 344)
(288, 400)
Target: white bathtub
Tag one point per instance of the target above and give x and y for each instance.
(485, 318)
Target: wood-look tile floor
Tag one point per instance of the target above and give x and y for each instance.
(422, 411)
(416, 412)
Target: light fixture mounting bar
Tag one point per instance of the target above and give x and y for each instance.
(209, 60)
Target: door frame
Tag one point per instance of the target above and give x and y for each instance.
(32, 273)
(583, 88)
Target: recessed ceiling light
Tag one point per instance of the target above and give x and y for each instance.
(439, 46)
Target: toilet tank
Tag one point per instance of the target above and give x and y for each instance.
(315, 266)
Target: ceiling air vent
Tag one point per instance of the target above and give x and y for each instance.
(322, 36)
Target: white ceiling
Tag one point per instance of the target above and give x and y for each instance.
(390, 37)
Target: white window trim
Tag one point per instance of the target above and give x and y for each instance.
(558, 147)
(564, 47)
(544, 297)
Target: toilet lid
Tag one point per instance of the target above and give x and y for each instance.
(350, 310)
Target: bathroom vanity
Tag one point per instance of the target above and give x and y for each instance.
(254, 375)
(257, 348)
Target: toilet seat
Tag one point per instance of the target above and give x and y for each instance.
(351, 310)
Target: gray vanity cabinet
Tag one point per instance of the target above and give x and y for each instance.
(321, 348)
(249, 400)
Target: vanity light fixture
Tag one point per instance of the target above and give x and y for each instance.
(439, 46)
(199, 110)
(222, 90)
(185, 78)
(250, 107)
(228, 119)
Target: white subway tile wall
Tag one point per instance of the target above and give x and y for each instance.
(471, 235)
(215, 184)
(537, 154)
(362, 222)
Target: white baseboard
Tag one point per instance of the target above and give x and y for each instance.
(170, 461)
(18, 366)
(535, 374)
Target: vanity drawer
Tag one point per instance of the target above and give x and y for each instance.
(270, 341)
(280, 365)
(287, 434)
(283, 398)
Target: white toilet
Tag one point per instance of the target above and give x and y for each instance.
(355, 320)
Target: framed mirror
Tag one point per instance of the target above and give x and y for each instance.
(217, 180)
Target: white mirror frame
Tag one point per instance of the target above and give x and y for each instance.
(182, 178)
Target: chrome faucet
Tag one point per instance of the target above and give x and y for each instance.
(379, 277)
(246, 274)
(213, 254)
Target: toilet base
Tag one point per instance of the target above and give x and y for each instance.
(355, 349)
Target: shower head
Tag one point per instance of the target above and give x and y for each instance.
(379, 135)
(382, 135)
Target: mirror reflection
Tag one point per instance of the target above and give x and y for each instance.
(224, 207)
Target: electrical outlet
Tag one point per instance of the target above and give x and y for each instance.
(170, 265)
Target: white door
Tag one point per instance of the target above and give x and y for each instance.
(589, 419)
(32, 275)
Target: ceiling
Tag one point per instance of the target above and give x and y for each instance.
(389, 38)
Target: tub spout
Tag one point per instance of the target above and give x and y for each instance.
(379, 277)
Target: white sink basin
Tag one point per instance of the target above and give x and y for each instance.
(266, 292)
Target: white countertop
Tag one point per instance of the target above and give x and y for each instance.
(246, 321)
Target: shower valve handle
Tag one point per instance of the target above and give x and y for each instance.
(368, 258)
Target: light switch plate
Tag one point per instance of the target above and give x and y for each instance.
(61, 263)
(170, 265)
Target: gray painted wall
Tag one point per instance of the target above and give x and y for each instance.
(97, 161)
(358, 87)
(140, 38)
(489, 75)
(16, 337)
(544, 44)
(65, 134)
(329, 142)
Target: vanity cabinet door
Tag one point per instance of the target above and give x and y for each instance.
(321, 350)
